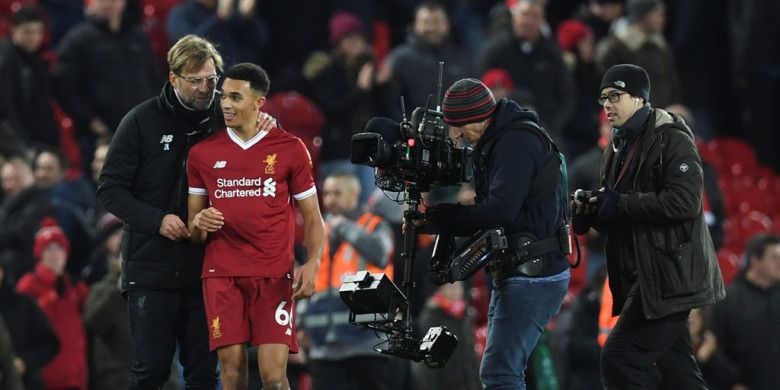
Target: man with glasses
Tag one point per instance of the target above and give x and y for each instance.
(660, 258)
(143, 182)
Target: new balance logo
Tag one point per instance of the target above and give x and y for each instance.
(220, 164)
(166, 141)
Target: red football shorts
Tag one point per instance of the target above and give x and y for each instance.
(249, 309)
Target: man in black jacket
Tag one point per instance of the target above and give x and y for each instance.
(144, 184)
(747, 323)
(516, 190)
(105, 67)
(26, 97)
(535, 64)
(660, 258)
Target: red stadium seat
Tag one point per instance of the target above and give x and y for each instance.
(729, 263)
(300, 116)
(740, 228)
(736, 156)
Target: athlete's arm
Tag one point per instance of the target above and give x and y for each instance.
(314, 243)
(202, 220)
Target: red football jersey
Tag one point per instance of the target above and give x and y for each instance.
(253, 184)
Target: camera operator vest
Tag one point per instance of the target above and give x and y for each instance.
(546, 179)
(529, 250)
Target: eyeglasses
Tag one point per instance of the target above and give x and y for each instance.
(613, 97)
(196, 82)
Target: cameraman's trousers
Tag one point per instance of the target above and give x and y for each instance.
(638, 349)
(520, 307)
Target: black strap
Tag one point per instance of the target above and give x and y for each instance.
(536, 249)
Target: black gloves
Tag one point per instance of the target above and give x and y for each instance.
(607, 204)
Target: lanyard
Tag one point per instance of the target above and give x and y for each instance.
(627, 163)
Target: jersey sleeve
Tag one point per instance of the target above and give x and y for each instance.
(195, 181)
(301, 179)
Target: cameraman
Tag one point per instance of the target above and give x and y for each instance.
(660, 258)
(510, 158)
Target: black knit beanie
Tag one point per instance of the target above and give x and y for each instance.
(628, 77)
(468, 101)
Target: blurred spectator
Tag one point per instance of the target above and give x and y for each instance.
(341, 355)
(342, 83)
(500, 83)
(719, 373)
(105, 320)
(599, 16)
(747, 323)
(63, 16)
(574, 339)
(108, 238)
(26, 99)
(231, 24)
(577, 43)
(412, 67)
(104, 68)
(535, 64)
(640, 41)
(71, 199)
(754, 38)
(447, 307)
(9, 378)
(21, 212)
(62, 302)
(99, 158)
(584, 174)
(287, 58)
(700, 40)
(32, 334)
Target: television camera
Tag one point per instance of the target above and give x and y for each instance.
(408, 157)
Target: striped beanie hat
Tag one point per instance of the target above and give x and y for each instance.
(468, 101)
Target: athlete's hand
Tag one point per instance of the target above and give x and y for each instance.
(265, 122)
(173, 228)
(209, 220)
(304, 280)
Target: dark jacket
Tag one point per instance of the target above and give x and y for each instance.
(26, 97)
(676, 264)
(517, 157)
(104, 74)
(20, 219)
(32, 334)
(9, 378)
(347, 108)
(574, 343)
(144, 179)
(539, 71)
(105, 319)
(747, 327)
